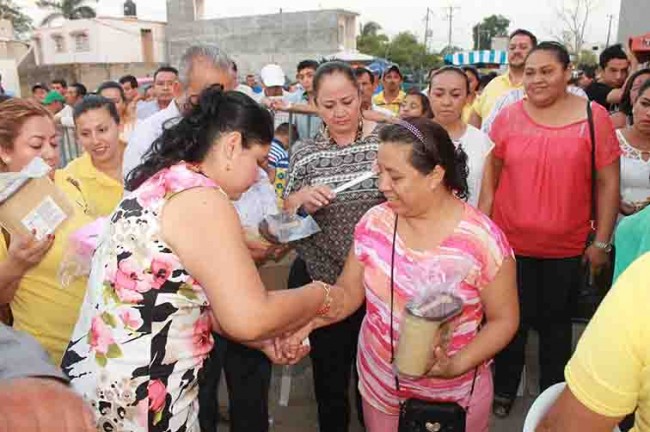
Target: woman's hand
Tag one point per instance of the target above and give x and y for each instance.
(275, 352)
(292, 345)
(27, 252)
(314, 198)
(260, 250)
(444, 366)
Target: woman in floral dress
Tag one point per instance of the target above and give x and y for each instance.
(173, 264)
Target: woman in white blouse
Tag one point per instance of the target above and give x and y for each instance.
(635, 161)
(448, 92)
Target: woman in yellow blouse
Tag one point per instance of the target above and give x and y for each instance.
(29, 267)
(97, 174)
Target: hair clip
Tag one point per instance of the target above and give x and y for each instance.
(415, 131)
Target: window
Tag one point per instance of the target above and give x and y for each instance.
(59, 43)
(81, 42)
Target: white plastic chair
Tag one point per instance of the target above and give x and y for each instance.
(542, 405)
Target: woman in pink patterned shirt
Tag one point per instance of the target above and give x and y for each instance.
(424, 178)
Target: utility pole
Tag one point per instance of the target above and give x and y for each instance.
(427, 35)
(450, 17)
(609, 28)
(426, 30)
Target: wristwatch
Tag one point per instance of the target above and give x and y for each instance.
(607, 247)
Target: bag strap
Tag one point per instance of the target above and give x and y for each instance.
(392, 303)
(594, 174)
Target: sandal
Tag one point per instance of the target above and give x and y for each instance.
(501, 406)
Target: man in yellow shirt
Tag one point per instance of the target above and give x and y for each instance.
(608, 376)
(392, 96)
(521, 42)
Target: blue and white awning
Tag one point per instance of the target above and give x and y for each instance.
(477, 57)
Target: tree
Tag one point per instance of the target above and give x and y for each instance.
(450, 50)
(492, 26)
(12, 12)
(405, 50)
(412, 56)
(587, 58)
(574, 16)
(371, 41)
(68, 9)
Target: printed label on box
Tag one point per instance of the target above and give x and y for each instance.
(45, 218)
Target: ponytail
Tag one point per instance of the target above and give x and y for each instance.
(457, 179)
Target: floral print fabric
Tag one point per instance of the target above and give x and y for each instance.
(144, 329)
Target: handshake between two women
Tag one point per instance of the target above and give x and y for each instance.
(291, 347)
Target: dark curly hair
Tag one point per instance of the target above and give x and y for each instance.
(437, 149)
(192, 137)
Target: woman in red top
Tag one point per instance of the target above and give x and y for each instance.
(541, 199)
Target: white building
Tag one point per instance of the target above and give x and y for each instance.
(100, 40)
(11, 52)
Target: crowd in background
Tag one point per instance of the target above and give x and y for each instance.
(519, 184)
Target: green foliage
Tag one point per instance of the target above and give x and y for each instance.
(450, 50)
(587, 58)
(371, 41)
(403, 49)
(68, 9)
(11, 11)
(492, 26)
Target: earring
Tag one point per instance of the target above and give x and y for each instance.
(6, 161)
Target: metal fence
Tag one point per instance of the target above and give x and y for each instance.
(70, 150)
(306, 124)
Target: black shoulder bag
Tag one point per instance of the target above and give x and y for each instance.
(593, 288)
(418, 415)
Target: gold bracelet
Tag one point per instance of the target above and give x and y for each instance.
(327, 301)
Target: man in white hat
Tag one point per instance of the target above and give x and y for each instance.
(273, 80)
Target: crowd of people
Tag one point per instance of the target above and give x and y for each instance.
(505, 189)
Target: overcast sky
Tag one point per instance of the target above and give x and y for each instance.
(539, 16)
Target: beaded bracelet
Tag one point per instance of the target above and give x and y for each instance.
(327, 302)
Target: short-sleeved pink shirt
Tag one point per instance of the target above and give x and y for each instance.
(477, 245)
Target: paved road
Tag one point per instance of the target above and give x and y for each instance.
(300, 414)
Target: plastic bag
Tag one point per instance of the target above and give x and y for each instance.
(287, 227)
(255, 204)
(438, 299)
(81, 247)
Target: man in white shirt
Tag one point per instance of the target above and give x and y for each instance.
(273, 80)
(165, 81)
(201, 67)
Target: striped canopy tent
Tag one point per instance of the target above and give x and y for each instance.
(494, 57)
